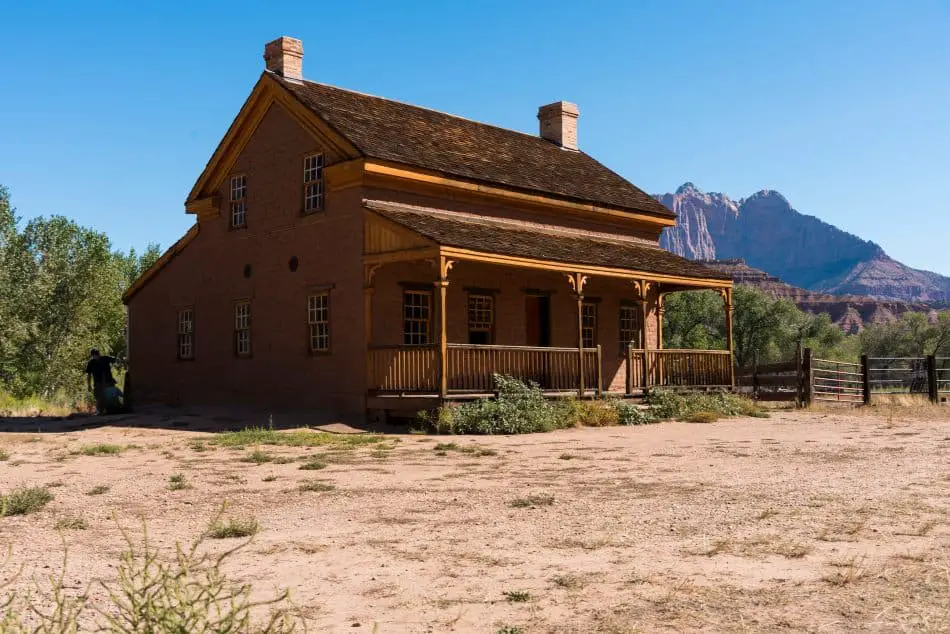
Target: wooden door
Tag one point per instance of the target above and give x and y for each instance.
(538, 320)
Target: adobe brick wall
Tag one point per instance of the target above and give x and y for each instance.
(209, 276)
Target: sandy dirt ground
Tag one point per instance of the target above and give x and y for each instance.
(808, 521)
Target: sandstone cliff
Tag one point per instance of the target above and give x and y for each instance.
(802, 250)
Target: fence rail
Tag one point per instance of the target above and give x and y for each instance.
(773, 381)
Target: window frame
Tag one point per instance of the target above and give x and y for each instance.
(185, 334)
(314, 321)
(409, 334)
(481, 327)
(589, 310)
(637, 330)
(238, 352)
(237, 205)
(314, 182)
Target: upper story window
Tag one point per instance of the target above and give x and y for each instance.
(242, 328)
(318, 321)
(589, 324)
(313, 183)
(186, 333)
(416, 317)
(238, 201)
(481, 318)
(629, 327)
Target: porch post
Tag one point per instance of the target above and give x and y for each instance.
(659, 321)
(644, 289)
(727, 299)
(577, 282)
(443, 284)
(369, 271)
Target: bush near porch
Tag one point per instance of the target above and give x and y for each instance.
(521, 408)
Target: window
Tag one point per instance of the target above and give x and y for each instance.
(318, 319)
(589, 324)
(481, 318)
(242, 329)
(238, 201)
(629, 327)
(186, 333)
(313, 183)
(416, 314)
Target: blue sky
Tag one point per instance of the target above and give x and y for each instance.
(109, 111)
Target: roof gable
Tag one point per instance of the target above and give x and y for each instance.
(393, 131)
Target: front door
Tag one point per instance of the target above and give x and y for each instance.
(538, 320)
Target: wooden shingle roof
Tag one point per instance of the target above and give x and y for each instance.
(392, 131)
(528, 240)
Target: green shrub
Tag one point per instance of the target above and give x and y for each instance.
(24, 500)
(630, 414)
(670, 405)
(314, 464)
(519, 408)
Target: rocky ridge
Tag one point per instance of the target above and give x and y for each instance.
(767, 233)
(850, 312)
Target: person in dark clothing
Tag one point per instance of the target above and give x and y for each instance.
(99, 377)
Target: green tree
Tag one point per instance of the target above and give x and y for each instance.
(694, 319)
(60, 294)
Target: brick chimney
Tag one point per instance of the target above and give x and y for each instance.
(284, 56)
(559, 123)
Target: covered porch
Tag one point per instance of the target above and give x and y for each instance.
(452, 299)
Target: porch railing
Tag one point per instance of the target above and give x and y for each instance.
(398, 369)
(469, 368)
(678, 368)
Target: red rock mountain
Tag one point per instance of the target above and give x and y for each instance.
(850, 312)
(767, 233)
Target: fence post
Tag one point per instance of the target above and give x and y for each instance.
(805, 377)
(866, 379)
(799, 393)
(755, 376)
(932, 379)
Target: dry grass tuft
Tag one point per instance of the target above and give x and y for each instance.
(24, 500)
(241, 527)
(532, 501)
(846, 572)
(99, 489)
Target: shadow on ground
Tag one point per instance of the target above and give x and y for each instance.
(204, 419)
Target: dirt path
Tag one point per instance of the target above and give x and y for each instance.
(805, 521)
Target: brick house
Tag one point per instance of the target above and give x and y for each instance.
(353, 253)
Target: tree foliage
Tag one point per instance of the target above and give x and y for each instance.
(60, 294)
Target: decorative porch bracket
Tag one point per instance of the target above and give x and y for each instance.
(578, 281)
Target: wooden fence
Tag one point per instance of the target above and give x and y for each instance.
(774, 381)
(924, 376)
